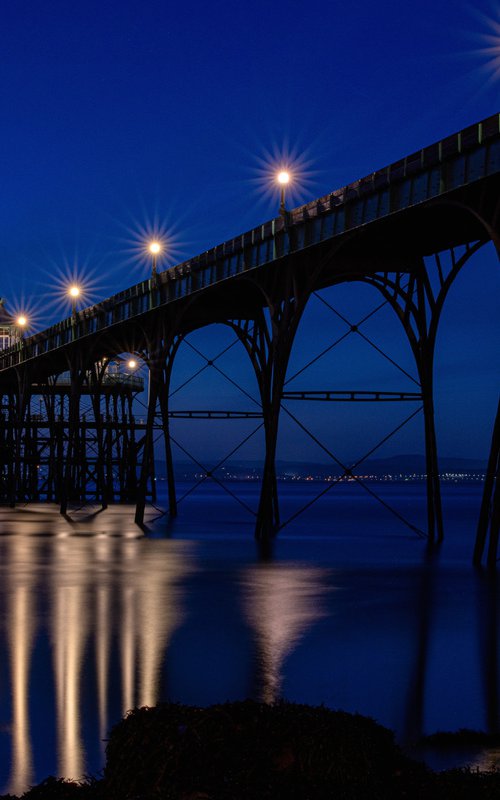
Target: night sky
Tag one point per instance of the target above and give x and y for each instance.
(123, 119)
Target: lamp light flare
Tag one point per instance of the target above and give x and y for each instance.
(132, 364)
(283, 177)
(154, 248)
(74, 291)
(21, 321)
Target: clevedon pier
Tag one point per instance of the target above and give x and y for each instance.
(406, 230)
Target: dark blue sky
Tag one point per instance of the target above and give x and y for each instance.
(117, 117)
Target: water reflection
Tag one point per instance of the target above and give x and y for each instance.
(424, 596)
(94, 617)
(488, 630)
(21, 629)
(69, 584)
(108, 605)
(281, 602)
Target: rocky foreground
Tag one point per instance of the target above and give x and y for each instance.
(252, 751)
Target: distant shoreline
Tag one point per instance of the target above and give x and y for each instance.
(446, 477)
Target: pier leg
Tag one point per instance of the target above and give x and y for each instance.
(489, 515)
(96, 379)
(268, 515)
(147, 448)
(164, 391)
(434, 507)
(131, 467)
(73, 420)
(21, 406)
(269, 344)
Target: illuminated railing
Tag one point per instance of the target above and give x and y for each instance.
(458, 160)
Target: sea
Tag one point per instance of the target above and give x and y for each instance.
(347, 607)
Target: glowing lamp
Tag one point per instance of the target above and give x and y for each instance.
(283, 178)
(74, 291)
(132, 364)
(21, 321)
(154, 248)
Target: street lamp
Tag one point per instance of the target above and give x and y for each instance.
(154, 248)
(132, 364)
(283, 178)
(74, 293)
(20, 323)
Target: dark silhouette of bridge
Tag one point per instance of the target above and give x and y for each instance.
(441, 202)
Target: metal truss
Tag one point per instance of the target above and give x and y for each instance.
(214, 414)
(354, 396)
(70, 441)
(418, 300)
(349, 472)
(159, 416)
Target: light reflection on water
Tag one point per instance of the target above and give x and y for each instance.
(103, 608)
(96, 618)
(280, 602)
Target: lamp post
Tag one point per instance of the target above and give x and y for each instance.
(154, 248)
(283, 178)
(74, 293)
(21, 323)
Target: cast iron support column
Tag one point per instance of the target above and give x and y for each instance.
(162, 343)
(424, 355)
(489, 516)
(11, 445)
(418, 306)
(284, 322)
(72, 454)
(96, 376)
(261, 343)
(172, 499)
(50, 413)
(147, 448)
(131, 465)
(22, 400)
(61, 430)
(273, 379)
(269, 347)
(434, 505)
(108, 451)
(164, 391)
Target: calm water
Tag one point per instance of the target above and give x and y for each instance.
(349, 610)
